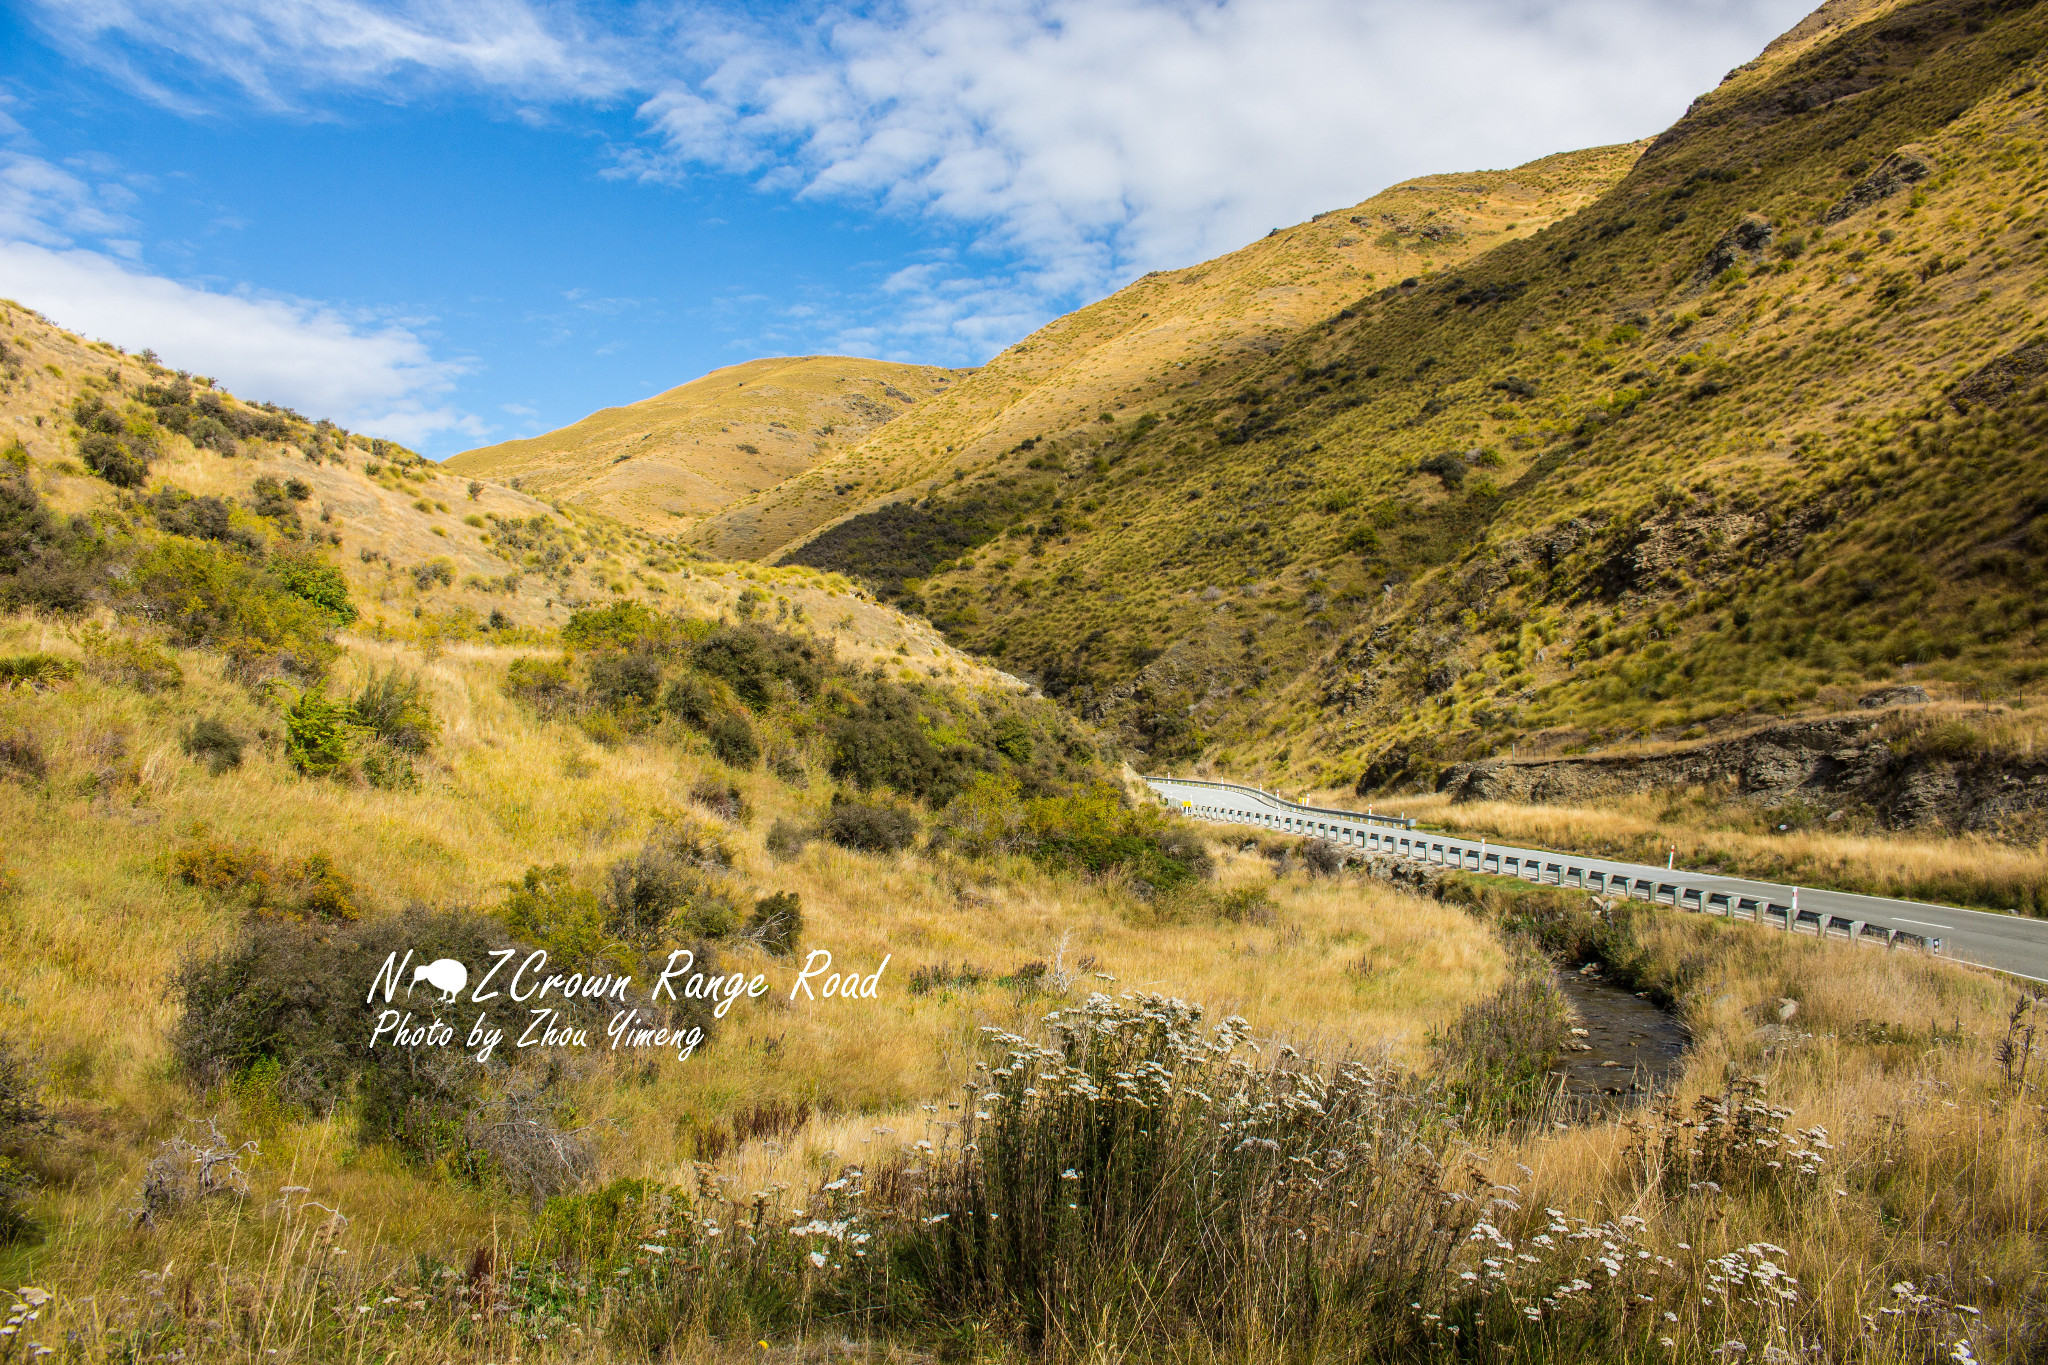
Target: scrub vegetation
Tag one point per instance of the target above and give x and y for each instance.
(1751, 433)
(974, 1051)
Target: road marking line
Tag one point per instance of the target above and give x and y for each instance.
(1921, 922)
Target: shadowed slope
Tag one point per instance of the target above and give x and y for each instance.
(1166, 332)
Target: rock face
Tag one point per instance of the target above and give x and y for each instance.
(1743, 244)
(1908, 165)
(1837, 761)
(1997, 382)
(1908, 695)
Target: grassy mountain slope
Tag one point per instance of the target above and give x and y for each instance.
(664, 463)
(269, 711)
(427, 558)
(1153, 337)
(1758, 429)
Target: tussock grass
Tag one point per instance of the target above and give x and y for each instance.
(100, 924)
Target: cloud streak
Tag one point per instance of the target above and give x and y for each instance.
(378, 378)
(279, 54)
(1063, 146)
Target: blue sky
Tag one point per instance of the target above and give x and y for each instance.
(455, 222)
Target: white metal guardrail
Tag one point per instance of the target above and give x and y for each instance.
(1394, 836)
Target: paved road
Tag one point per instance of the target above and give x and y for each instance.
(2005, 942)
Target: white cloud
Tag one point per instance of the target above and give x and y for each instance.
(1065, 145)
(382, 380)
(275, 51)
(40, 202)
(1095, 139)
(379, 378)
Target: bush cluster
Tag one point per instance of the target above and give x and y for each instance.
(304, 890)
(45, 563)
(116, 448)
(1091, 829)
(281, 1008)
(377, 734)
(676, 888)
(868, 826)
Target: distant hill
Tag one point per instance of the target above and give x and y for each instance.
(429, 556)
(665, 462)
(1168, 333)
(1758, 428)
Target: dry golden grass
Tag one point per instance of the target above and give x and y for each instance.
(1939, 1170)
(98, 928)
(664, 463)
(1139, 347)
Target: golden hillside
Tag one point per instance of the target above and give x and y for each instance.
(665, 462)
(430, 558)
(1166, 332)
(1753, 434)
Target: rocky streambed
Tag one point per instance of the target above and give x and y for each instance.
(1622, 1050)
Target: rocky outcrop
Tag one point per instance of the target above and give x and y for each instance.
(1908, 165)
(1997, 382)
(1743, 244)
(1840, 762)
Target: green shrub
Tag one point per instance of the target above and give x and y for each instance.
(108, 447)
(319, 583)
(597, 1233)
(621, 626)
(749, 658)
(321, 735)
(733, 742)
(547, 685)
(292, 994)
(425, 576)
(786, 839)
(1499, 1052)
(208, 596)
(394, 708)
(625, 679)
(180, 513)
(36, 670)
(869, 826)
(880, 741)
(1091, 829)
(690, 700)
(309, 889)
(551, 907)
(286, 1000)
(674, 887)
(133, 663)
(44, 563)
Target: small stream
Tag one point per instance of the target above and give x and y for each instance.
(1623, 1048)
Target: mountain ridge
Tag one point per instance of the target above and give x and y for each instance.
(1100, 359)
(1583, 487)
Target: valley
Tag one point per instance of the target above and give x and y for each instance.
(692, 885)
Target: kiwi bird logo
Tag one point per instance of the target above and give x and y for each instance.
(445, 974)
